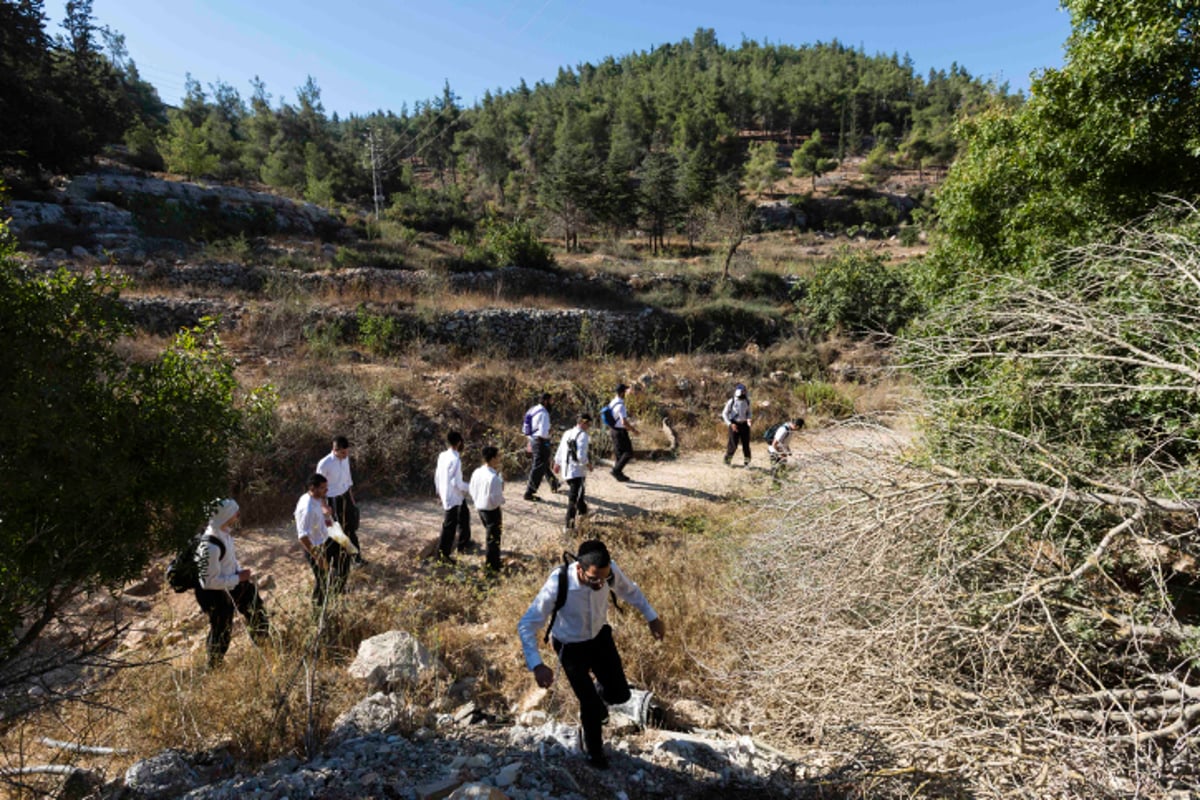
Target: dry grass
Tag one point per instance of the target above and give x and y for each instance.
(283, 699)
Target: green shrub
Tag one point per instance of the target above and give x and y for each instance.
(857, 292)
(377, 333)
(824, 398)
(515, 244)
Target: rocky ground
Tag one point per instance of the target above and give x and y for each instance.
(682, 751)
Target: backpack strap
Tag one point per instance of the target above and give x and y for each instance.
(560, 599)
(214, 540)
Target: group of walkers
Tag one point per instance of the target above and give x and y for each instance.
(573, 598)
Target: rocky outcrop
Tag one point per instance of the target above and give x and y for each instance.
(392, 659)
(123, 215)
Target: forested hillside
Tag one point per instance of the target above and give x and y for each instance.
(645, 139)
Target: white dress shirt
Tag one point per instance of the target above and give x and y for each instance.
(568, 467)
(487, 488)
(310, 520)
(737, 409)
(216, 571)
(539, 421)
(448, 479)
(583, 614)
(337, 472)
(617, 405)
(779, 443)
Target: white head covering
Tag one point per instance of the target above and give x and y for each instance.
(225, 511)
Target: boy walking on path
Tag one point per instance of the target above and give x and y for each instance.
(487, 493)
(622, 425)
(330, 563)
(225, 587)
(780, 447)
(336, 469)
(736, 415)
(453, 491)
(539, 448)
(572, 463)
(582, 638)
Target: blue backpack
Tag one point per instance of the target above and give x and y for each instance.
(527, 424)
(606, 416)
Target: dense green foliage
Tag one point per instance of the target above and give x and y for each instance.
(857, 292)
(104, 462)
(1100, 141)
(63, 99)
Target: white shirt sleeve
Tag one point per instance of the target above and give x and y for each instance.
(535, 617)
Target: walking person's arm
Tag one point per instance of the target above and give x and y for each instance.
(531, 622)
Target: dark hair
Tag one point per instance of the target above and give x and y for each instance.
(545, 398)
(315, 480)
(798, 422)
(490, 452)
(454, 438)
(593, 553)
(341, 442)
(621, 387)
(584, 417)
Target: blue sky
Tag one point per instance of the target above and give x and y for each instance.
(379, 54)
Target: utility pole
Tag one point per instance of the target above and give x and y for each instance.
(377, 191)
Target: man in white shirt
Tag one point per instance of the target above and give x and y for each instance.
(736, 415)
(453, 491)
(328, 560)
(582, 638)
(779, 447)
(572, 464)
(225, 586)
(539, 448)
(487, 493)
(622, 425)
(336, 469)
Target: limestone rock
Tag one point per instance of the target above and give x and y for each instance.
(378, 713)
(166, 775)
(477, 791)
(391, 659)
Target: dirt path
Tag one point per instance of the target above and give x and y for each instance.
(397, 532)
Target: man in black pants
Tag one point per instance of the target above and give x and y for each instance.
(539, 448)
(736, 415)
(487, 492)
(336, 469)
(225, 587)
(622, 425)
(582, 638)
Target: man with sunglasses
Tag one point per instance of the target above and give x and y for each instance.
(583, 639)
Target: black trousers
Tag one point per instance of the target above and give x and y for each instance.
(596, 657)
(455, 519)
(492, 521)
(739, 433)
(219, 605)
(622, 449)
(541, 467)
(331, 581)
(576, 500)
(345, 511)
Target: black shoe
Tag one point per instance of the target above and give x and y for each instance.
(622, 477)
(599, 761)
(533, 498)
(446, 561)
(359, 560)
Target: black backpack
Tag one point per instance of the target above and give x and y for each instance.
(183, 573)
(769, 436)
(560, 598)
